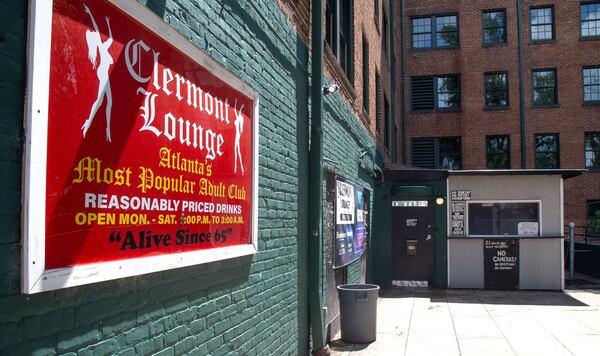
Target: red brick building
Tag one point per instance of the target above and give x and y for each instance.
(503, 84)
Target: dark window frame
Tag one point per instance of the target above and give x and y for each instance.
(433, 31)
(557, 152)
(483, 28)
(581, 36)
(488, 153)
(533, 87)
(585, 151)
(588, 102)
(436, 93)
(588, 230)
(385, 31)
(365, 74)
(545, 40)
(506, 90)
(437, 152)
(376, 14)
(339, 34)
(331, 25)
(498, 222)
(387, 140)
(378, 94)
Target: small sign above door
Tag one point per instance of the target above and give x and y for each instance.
(410, 203)
(461, 195)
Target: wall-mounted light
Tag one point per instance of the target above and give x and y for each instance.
(330, 89)
(439, 200)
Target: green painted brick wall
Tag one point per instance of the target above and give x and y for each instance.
(251, 305)
(344, 139)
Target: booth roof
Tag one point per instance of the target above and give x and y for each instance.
(396, 172)
(565, 173)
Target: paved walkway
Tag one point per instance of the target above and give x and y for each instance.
(474, 322)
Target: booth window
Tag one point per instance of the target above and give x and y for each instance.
(592, 150)
(494, 27)
(546, 151)
(593, 218)
(497, 152)
(504, 219)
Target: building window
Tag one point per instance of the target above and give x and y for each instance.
(494, 27)
(338, 36)
(435, 93)
(436, 153)
(345, 33)
(591, 85)
(546, 151)
(384, 33)
(590, 20)
(378, 102)
(365, 68)
(542, 23)
(592, 150)
(503, 219)
(496, 90)
(435, 32)
(447, 92)
(593, 217)
(544, 87)
(386, 122)
(331, 24)
(395, 150)
(497, 152)
(376, 13)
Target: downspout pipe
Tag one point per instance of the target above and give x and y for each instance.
(392, 61)
(404, 84)
(315, 204)
(521, 83)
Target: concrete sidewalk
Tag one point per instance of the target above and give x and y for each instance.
(474, 322)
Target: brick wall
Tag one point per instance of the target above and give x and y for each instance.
(247, 305)
(349, 130)
(570, 118)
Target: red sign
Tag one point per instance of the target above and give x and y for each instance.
(149, 152)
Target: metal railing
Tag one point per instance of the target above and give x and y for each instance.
(582, 235)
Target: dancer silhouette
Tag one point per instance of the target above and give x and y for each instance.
(239, 129)
(95, 45)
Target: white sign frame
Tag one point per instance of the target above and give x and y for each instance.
(34, 277)
(539, 202)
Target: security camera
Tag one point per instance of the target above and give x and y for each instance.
(331, 89)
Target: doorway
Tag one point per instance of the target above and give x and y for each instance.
(412, 243)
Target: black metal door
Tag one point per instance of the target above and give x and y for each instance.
(412, 242)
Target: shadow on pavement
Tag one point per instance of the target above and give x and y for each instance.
(475, 296)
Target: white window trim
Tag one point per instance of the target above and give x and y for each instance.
(35, 278)
(469, 202)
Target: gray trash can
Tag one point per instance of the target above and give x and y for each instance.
(358, 312)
